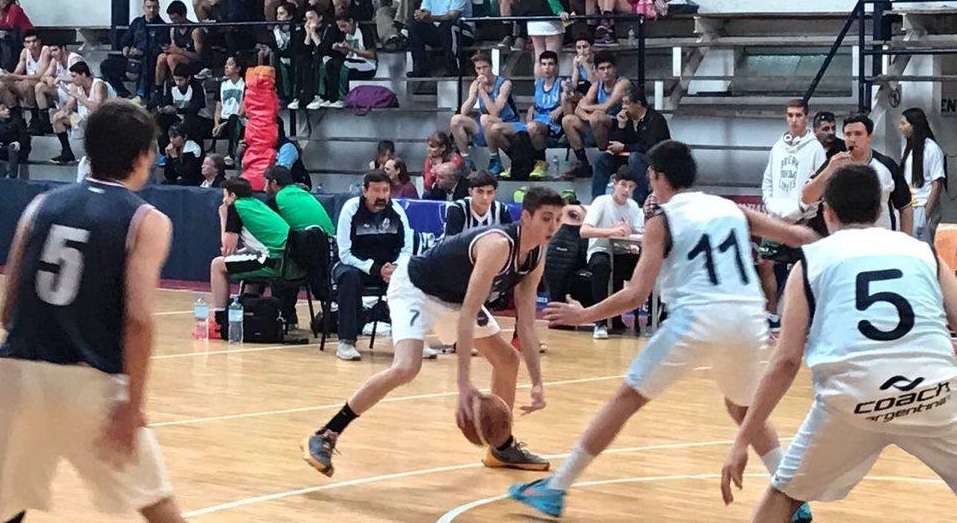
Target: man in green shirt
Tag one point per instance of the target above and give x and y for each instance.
(297, 206)
(264, 236)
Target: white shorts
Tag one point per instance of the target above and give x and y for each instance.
(729, 339)
(545, 28)
(53, 412)
(414, 313)
(829, 455)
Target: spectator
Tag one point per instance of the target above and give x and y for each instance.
(141, 46)
(86, 94)
(825, 128)
(637, 129)
(495, 105)
(398, 172)
(14, 23)
(271, 8)
(183, 101)
(373, 233)
(18, 89)
(355, 60)
(450, 184)
(300, 209)
(925, 169)
(12, 15)
(53, 86)
(184, 158)
(14, 141)
(514, 39)
(436, 25)
(214, 170)
(185, 47)
(565, 259)
(583, 64)
(318, 36)
(233, 39)
(895, 193)
(479, 208)
(384, 150)
(391, 19)
(262, 231)
(610, 216)
(289, 155)
(229, 115)
(595, 113)
(438, 151)
(282, 50)
(546, 35)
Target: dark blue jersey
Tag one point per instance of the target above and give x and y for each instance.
(70, 296)
(445, 269)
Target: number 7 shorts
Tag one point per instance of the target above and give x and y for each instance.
(728, 341)
(414, 313)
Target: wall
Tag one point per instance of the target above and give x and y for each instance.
(84, 13)
(810, 6)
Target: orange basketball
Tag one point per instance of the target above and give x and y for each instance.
(491, 421)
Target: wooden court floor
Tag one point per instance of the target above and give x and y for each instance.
(230, 420)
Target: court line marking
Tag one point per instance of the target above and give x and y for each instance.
(450, 516)
(339, 404)
(229, 351)
(171, 313)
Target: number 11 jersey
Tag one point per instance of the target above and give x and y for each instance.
(708, 261)
(70, 295)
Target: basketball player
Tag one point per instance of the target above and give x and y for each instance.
(444, 290)
(878, 348)
(700, 245)
(83, 268)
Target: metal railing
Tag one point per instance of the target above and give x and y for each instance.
(876, 50)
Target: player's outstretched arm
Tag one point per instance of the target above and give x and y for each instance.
(15, 258)
(777, 230)
(784, 366)
(525, 295)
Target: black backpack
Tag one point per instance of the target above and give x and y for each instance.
(262, 319)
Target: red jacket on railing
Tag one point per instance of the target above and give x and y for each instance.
(15, 17)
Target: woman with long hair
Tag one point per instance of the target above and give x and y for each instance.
(924, 165)
(398, 172)
(438, 150)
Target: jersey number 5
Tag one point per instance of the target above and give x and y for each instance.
(61, 286)
(704, 246)
(865, 299)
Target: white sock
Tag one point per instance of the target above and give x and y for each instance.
(772, 459)
(574, 465)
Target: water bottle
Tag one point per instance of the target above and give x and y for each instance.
(200, 318)
(554, 169)
(235, 321)
(632, 41)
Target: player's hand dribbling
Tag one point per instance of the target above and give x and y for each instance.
(568, 313)
(117, 443)
(464, 411)
(538, 400)
(733, 470)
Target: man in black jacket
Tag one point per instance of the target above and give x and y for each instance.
(450, 184)
(637, 129)
(14, 141)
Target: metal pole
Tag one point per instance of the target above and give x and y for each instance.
(641, 52)
(863, 104)
(119, 15)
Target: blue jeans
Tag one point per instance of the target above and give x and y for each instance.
(608, 164)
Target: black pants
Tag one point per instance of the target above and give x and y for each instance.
(12, 156)
(336, 76)
(350, 281)
(600, 266)
(445, 36)
(113, 70)
(233, 133)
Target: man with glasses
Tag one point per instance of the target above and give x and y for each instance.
(825, 128)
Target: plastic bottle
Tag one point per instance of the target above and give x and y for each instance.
(554, 169)
(632, 41)
(200, 318)
(235, 316)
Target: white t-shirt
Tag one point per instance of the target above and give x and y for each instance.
(231, 96)
(933, 170)
(604, 212)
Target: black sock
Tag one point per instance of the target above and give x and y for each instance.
(65, 143)
(18, 518)
(508, 443)
(582, 157)
(341, 420)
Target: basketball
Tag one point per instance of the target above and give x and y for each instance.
(491, 421)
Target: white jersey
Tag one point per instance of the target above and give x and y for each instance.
(32, 64)
(878, 348)
(709, 261)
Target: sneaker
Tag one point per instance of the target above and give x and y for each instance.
(516, 456)
(293, 106)
(505, 175)
(65, 159)
(381, 329)
(316, 103)
(802, 514)
(336, 105)
(229, 161)
(346, 351)
(601, 333)
(417, 73)
(317, 450)
(539, 171)
(428, 353)
(518, 44)
(581, 170)
(204, 74)
(537, 495)
(506, 43)
(494, 165)
(138, 100)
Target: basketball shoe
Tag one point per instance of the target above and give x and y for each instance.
(537, 495)
(317, 450)
(516, 456)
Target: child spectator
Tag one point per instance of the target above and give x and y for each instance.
(385, 149)
(184, 158)
(229, 115)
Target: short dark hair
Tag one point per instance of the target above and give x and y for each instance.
(344, 16)
(823, 116)
(238, 186)
(182, 70)
(375, 176)
(178, 129)
(583, 35)
(674, 161)
(118, 133)
(81, 68)
(481, 56)
(32, 32)
(605, 57)
(854, 194)
(636, 93)
(481, 179)
(280, 174)
(539, 196)
(548, 54)
(861, 119)
(625, 174)
(799, 103)
(176, 7)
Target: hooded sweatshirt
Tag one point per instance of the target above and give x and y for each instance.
(794, 159)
